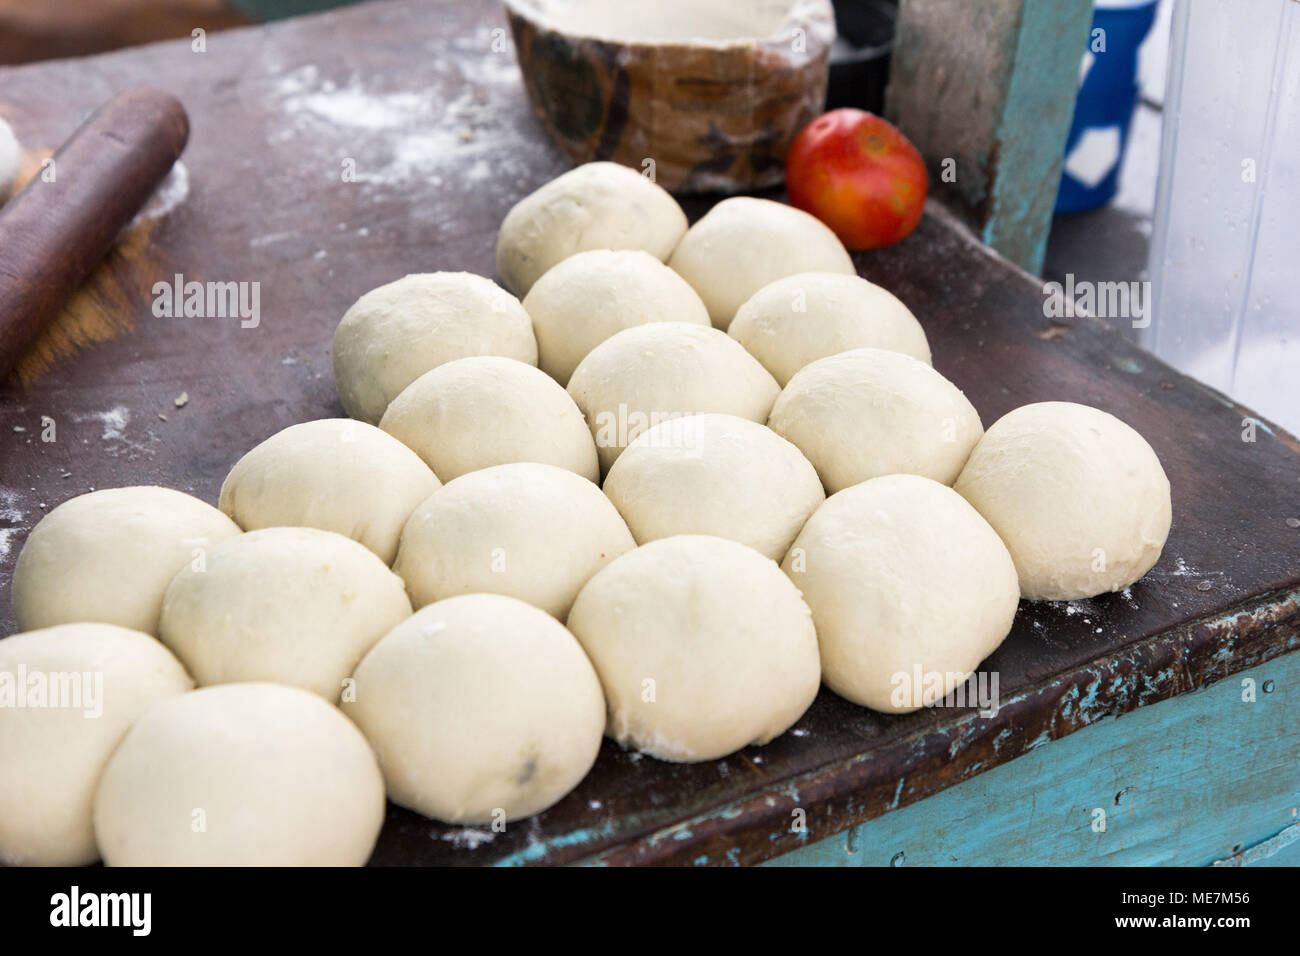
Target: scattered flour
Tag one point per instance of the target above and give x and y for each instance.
(1182, 569)
(11, 514)
(113, 428)
(171, 192)
(397, 137)
(114, 421)
(468, 838)
(270, 239)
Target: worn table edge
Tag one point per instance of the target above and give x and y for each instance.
(846, 793)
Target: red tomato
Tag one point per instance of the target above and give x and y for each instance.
(859, 175)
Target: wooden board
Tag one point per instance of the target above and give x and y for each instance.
(1192, 781)
(443, 144)
(987, 90)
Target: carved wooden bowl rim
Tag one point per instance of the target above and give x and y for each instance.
(815, 17)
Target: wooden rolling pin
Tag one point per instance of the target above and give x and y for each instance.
(52, 234)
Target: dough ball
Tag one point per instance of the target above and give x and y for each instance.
(589, 296)
(595, 206)
(909, 587)
(108, 556)
(534, 532)
(792, 322)
(334, 474)
(716, 475)
(651, 373)
(479, 705)
(477, 412)
(10, 155)
(742, 244)
(394, 334)
(288, 605)
(702, 645)
(865, 413)
(67, 695)
(1078, 496)
(241, 775)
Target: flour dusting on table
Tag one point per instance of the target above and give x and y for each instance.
(452, 128)
(171, 192)
(468, 838)
(12, 516)
(113, 429)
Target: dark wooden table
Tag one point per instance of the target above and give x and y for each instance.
(425, 99)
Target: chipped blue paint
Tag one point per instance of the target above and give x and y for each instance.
(1042, 738)
(1039, 809)
(898, 791)
(535, 852)
(1089, 699)
(1129, 365)
(791, 790)
(1094, 712)
(1267, 850)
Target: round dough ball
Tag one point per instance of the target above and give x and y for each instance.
(595, 206)
(108, 556)
(589, 296)
(792, 322)
(653, 373)
(742, 244)
(335, 474)
(716, 475)
(1078, 496)
(702, 645)
(479, 706)
(288, 605)
(241, 775)
(865, 413)
(909, 587)
(394, 334)
(477, 412)
(93, 681)
(531, 531)
(10, 155)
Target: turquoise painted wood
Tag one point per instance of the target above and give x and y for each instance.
(1189, 781)
(986, 91)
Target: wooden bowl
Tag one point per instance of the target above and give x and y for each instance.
(677, 88)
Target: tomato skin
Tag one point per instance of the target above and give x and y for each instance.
(859, 175)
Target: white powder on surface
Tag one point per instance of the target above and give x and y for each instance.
(468, 838)
(171, 192)
(12, 514)
(114, 421)
(113, 429)
(397, 137)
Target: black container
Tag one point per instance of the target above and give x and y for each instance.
(859, 67)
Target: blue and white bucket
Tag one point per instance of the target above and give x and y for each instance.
(1108, 90)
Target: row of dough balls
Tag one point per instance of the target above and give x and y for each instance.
(478, 704)
(598, 250)
(695, 643)
(480, 708)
